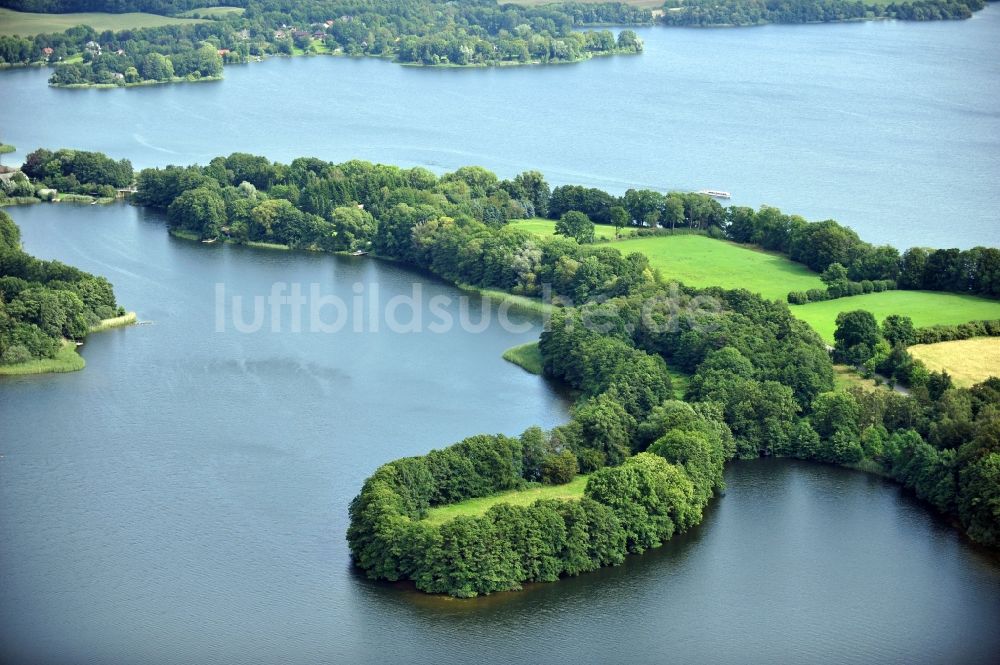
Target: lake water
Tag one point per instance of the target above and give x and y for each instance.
(184, 498)
(892, 128)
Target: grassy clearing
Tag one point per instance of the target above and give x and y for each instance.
(267, 245)
(648, 4)
(66, 360)
(679, 381)
(701, 261)
(547, 227)
(926, 308)
(969, 361)
(526, 356)
(514, 301)
(184, 235)
(122, 321)
(28, 24)
(845, 377)
(211, 12)
(571, 491)
(698, 260)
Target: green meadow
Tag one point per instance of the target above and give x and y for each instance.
(547, 227)
(65, 360)
(571, 491)
(698, 260)
(27, 24)
(211, 12)
(701, 261)
(526, 356)
(926, 308)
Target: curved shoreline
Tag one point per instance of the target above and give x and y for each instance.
(66, 359)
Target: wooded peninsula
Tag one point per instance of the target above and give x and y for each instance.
(664, 399)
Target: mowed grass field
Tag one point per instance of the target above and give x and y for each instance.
(969, 361)
(27, 24)
(648, 4)
(212, 12)
(571, 491)
(547, 227)
(702, 261)
(926, 308)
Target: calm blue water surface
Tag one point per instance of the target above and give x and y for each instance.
(892, 128)
(183, 499)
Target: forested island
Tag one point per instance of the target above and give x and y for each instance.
(414, 32)
(419, 32)
(664, 399)
(46, 307)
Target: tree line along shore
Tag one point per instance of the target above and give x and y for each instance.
(47, 308)
(172, 41)
(756, 379)
(689, 237)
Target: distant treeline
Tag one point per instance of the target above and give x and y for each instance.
(950, 333)
(426, 32)
(827, 244)
(43, 303)
(162, 7)
(706, 13)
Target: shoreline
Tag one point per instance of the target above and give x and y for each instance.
(66, 359)
(62, 198)
(526, 356)
(108, 86)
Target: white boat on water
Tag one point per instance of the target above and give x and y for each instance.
(716, 193)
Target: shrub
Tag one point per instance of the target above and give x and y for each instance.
(559, 469)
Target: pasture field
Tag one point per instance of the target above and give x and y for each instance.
(28, 24)
(547, 227)
(211, 12)
(698, 260)
(571, 491)
(701, 261)
(926, 308)
(968, 361)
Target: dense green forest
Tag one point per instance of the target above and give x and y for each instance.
(760, 381)
(759, 378)
(43, 303)
(309, 204)
(45, 174)
(761, 384)
(758, 12)
(425, 32)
